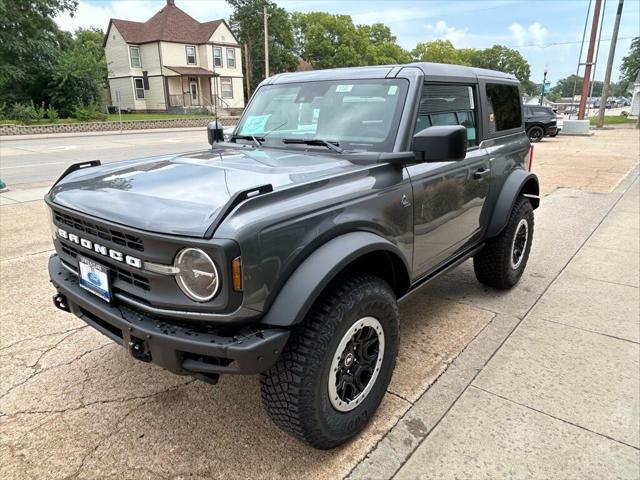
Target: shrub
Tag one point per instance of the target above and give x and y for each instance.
(25, 113)
(90, 111)
(52, 114)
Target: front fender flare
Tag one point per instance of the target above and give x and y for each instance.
(314, 274)
(518, 182)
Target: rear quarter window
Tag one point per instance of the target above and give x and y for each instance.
(505, 107)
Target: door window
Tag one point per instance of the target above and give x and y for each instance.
(504, 107)
(448, 105)
(138, 83)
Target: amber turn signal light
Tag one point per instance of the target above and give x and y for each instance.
(236, 267)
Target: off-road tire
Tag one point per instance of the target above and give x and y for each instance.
(539, 134)
(295, 390)
(493, 265)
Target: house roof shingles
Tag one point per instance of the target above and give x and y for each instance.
(170, 24)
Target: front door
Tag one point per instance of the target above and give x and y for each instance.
(193, 90)
(448, 197)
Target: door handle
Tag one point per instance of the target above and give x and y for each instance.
(481, 173)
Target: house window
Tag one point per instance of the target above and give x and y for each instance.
(138, 83)
(217, 56)
(226, 85)
(231, 58)
(191, 55)
(134, 53)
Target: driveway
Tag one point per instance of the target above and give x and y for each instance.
(73, 404)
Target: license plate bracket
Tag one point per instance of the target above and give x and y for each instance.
(94, 277)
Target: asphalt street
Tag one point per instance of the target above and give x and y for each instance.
(41, 159)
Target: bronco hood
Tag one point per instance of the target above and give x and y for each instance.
(182, 195)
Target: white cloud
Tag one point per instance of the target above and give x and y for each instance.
(534, 34)
(441, 31)
(97, 15)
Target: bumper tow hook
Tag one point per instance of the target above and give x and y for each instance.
(138, 349)
(60, 301)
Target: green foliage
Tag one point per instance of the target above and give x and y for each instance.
(330, 41)
(80, 72)
(438, 51)
(565, 87)
(631, 63)
(27, 112)
(86, 112)
(29, 43)
(247, 25)
(52, 114)
(499, 57)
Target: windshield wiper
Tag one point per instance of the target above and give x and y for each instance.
(335, 146)
(256, 140)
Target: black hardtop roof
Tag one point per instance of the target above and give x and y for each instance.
(436, 70)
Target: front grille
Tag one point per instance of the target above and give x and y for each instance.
(122, 274)
(98, 231)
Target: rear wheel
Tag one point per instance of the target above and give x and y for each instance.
(535, 134)
(502, 261)
(336, 367)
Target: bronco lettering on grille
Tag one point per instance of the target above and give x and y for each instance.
(101, 249)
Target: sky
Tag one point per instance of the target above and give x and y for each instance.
(547, 33)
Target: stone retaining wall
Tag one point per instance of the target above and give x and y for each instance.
(9, 129)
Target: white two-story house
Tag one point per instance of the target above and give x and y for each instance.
(172, 62)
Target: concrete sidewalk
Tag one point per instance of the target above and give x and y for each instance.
(554, 395)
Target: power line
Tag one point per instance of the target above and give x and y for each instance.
(562, 43)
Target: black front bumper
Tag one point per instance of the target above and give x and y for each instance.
(183, 348)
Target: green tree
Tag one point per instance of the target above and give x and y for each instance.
(29, 43)
(330, 41)
(247, 25)
(501, 58)
(382, 48)
(438, 51)
(80, 72)
(631, 63)
(565, 87)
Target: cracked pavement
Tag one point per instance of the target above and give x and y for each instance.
(75, 405)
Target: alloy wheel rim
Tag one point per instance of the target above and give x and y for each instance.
(519, 244)
(356, 364)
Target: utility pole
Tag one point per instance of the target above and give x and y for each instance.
(589, 62)
(247, 70)
(607, 75)
(544, 81)
(266, 41)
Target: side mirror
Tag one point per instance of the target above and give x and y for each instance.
(215, 133)
(440, 144)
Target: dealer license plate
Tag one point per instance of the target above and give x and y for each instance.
(94, 278)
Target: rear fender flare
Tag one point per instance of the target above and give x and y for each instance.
(307, 282)
(519, 182)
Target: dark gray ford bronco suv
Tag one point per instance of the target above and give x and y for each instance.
(284, 249)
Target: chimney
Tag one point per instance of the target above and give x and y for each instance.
(171, 2)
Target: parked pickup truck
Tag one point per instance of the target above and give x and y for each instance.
(284, 250)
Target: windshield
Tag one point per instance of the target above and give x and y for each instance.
(354, 114)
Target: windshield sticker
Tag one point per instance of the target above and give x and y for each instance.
(255, 124)
(471, 133)
(344, 88)
(393, 89)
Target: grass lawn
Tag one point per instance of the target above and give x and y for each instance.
(613, 120)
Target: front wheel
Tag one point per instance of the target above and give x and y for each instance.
(336, 367)
(535, 134)
(502, 261)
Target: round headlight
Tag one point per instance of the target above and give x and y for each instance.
(198, 276)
